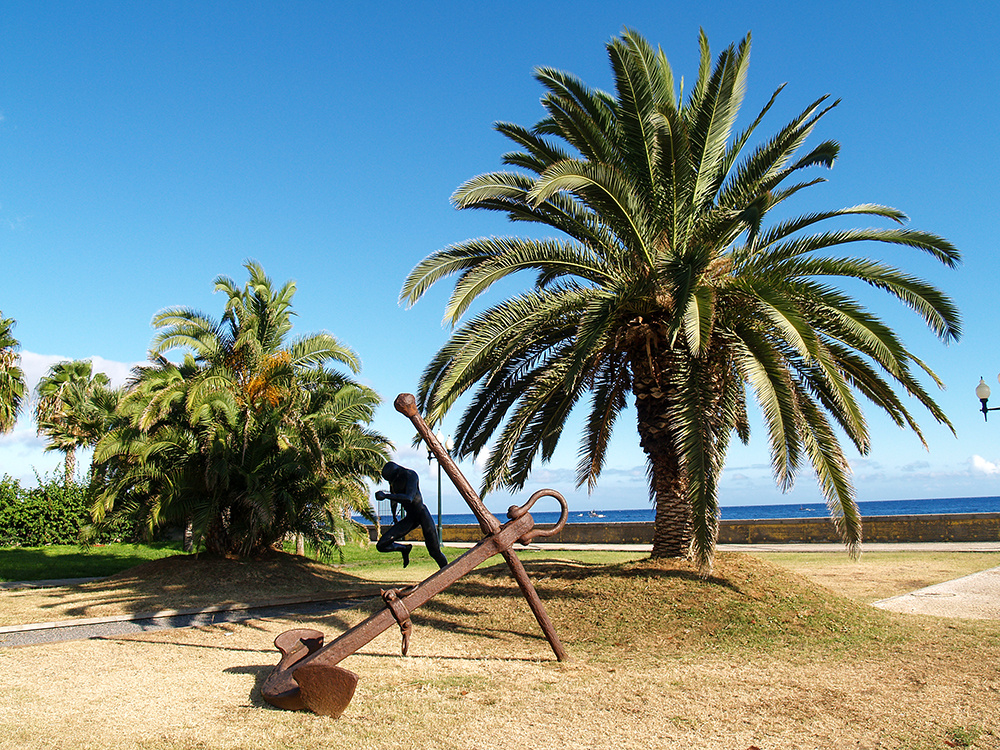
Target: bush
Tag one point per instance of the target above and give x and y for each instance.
(51, 513)
(10, 496)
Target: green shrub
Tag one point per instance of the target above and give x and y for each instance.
(51, 513)
(11, 496)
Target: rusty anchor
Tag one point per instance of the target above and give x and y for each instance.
(308, 675)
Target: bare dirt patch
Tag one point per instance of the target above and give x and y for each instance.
(754, 657)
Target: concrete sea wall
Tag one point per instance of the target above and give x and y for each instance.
(954, 527)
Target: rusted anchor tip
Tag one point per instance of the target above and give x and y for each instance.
(406, 404)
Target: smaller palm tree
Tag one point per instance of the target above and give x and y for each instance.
(12, 387)
(73, 409)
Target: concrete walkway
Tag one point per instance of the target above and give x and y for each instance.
(972, 597)
(49, 584)
(34, 634)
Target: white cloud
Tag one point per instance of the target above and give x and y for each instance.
(634, 474)
(482, 459)
(22, 452)
(36, 366)
(547, 475)
(22, 439)
(860, 464)
(983, 466)
(118, 372)
(749, 467)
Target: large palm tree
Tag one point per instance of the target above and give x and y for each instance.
(671, 285)
(251, 437)
(72, 409)
(12, 386)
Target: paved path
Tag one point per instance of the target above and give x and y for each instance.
(972, 597)
(34, 634)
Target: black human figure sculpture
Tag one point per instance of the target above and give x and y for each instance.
(404, 489)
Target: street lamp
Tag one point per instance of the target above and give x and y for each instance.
(448, 444)
(983, 394)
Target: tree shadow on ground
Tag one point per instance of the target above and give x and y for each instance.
(184, 582)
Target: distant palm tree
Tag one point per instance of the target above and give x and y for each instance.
(12, 386)
(251, 437)
(72, 409)
(667, 287)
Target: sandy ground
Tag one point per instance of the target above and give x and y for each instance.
(201, 689)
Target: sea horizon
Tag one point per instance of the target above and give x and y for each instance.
(932, 506)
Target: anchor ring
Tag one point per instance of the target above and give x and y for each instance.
(516, 511)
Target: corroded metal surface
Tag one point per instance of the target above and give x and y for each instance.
(307, 676)
(402, 615)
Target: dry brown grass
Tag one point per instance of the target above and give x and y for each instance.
(756, 657)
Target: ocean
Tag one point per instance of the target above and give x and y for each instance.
(751, 512)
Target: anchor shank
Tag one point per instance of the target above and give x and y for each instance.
(406, 404)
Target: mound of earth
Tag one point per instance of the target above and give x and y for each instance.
(746, 603)
(276, 575)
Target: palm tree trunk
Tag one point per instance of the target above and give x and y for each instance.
(69, 467)
(672, 525)
(673, 530)
(217, 540)
(677, 394)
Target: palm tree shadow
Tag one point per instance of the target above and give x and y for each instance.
(549, 572)
(184, 582)
(459, 615)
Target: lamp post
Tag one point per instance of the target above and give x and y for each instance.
(448, 444)
(983, 394)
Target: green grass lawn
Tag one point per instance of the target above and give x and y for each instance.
(71, 561)
(60, 561)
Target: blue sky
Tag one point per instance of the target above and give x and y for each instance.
(147, 148)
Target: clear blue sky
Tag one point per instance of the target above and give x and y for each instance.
(146, 148)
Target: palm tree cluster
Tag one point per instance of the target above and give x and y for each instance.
(671, 286)
(250, 438)
(12, 386)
